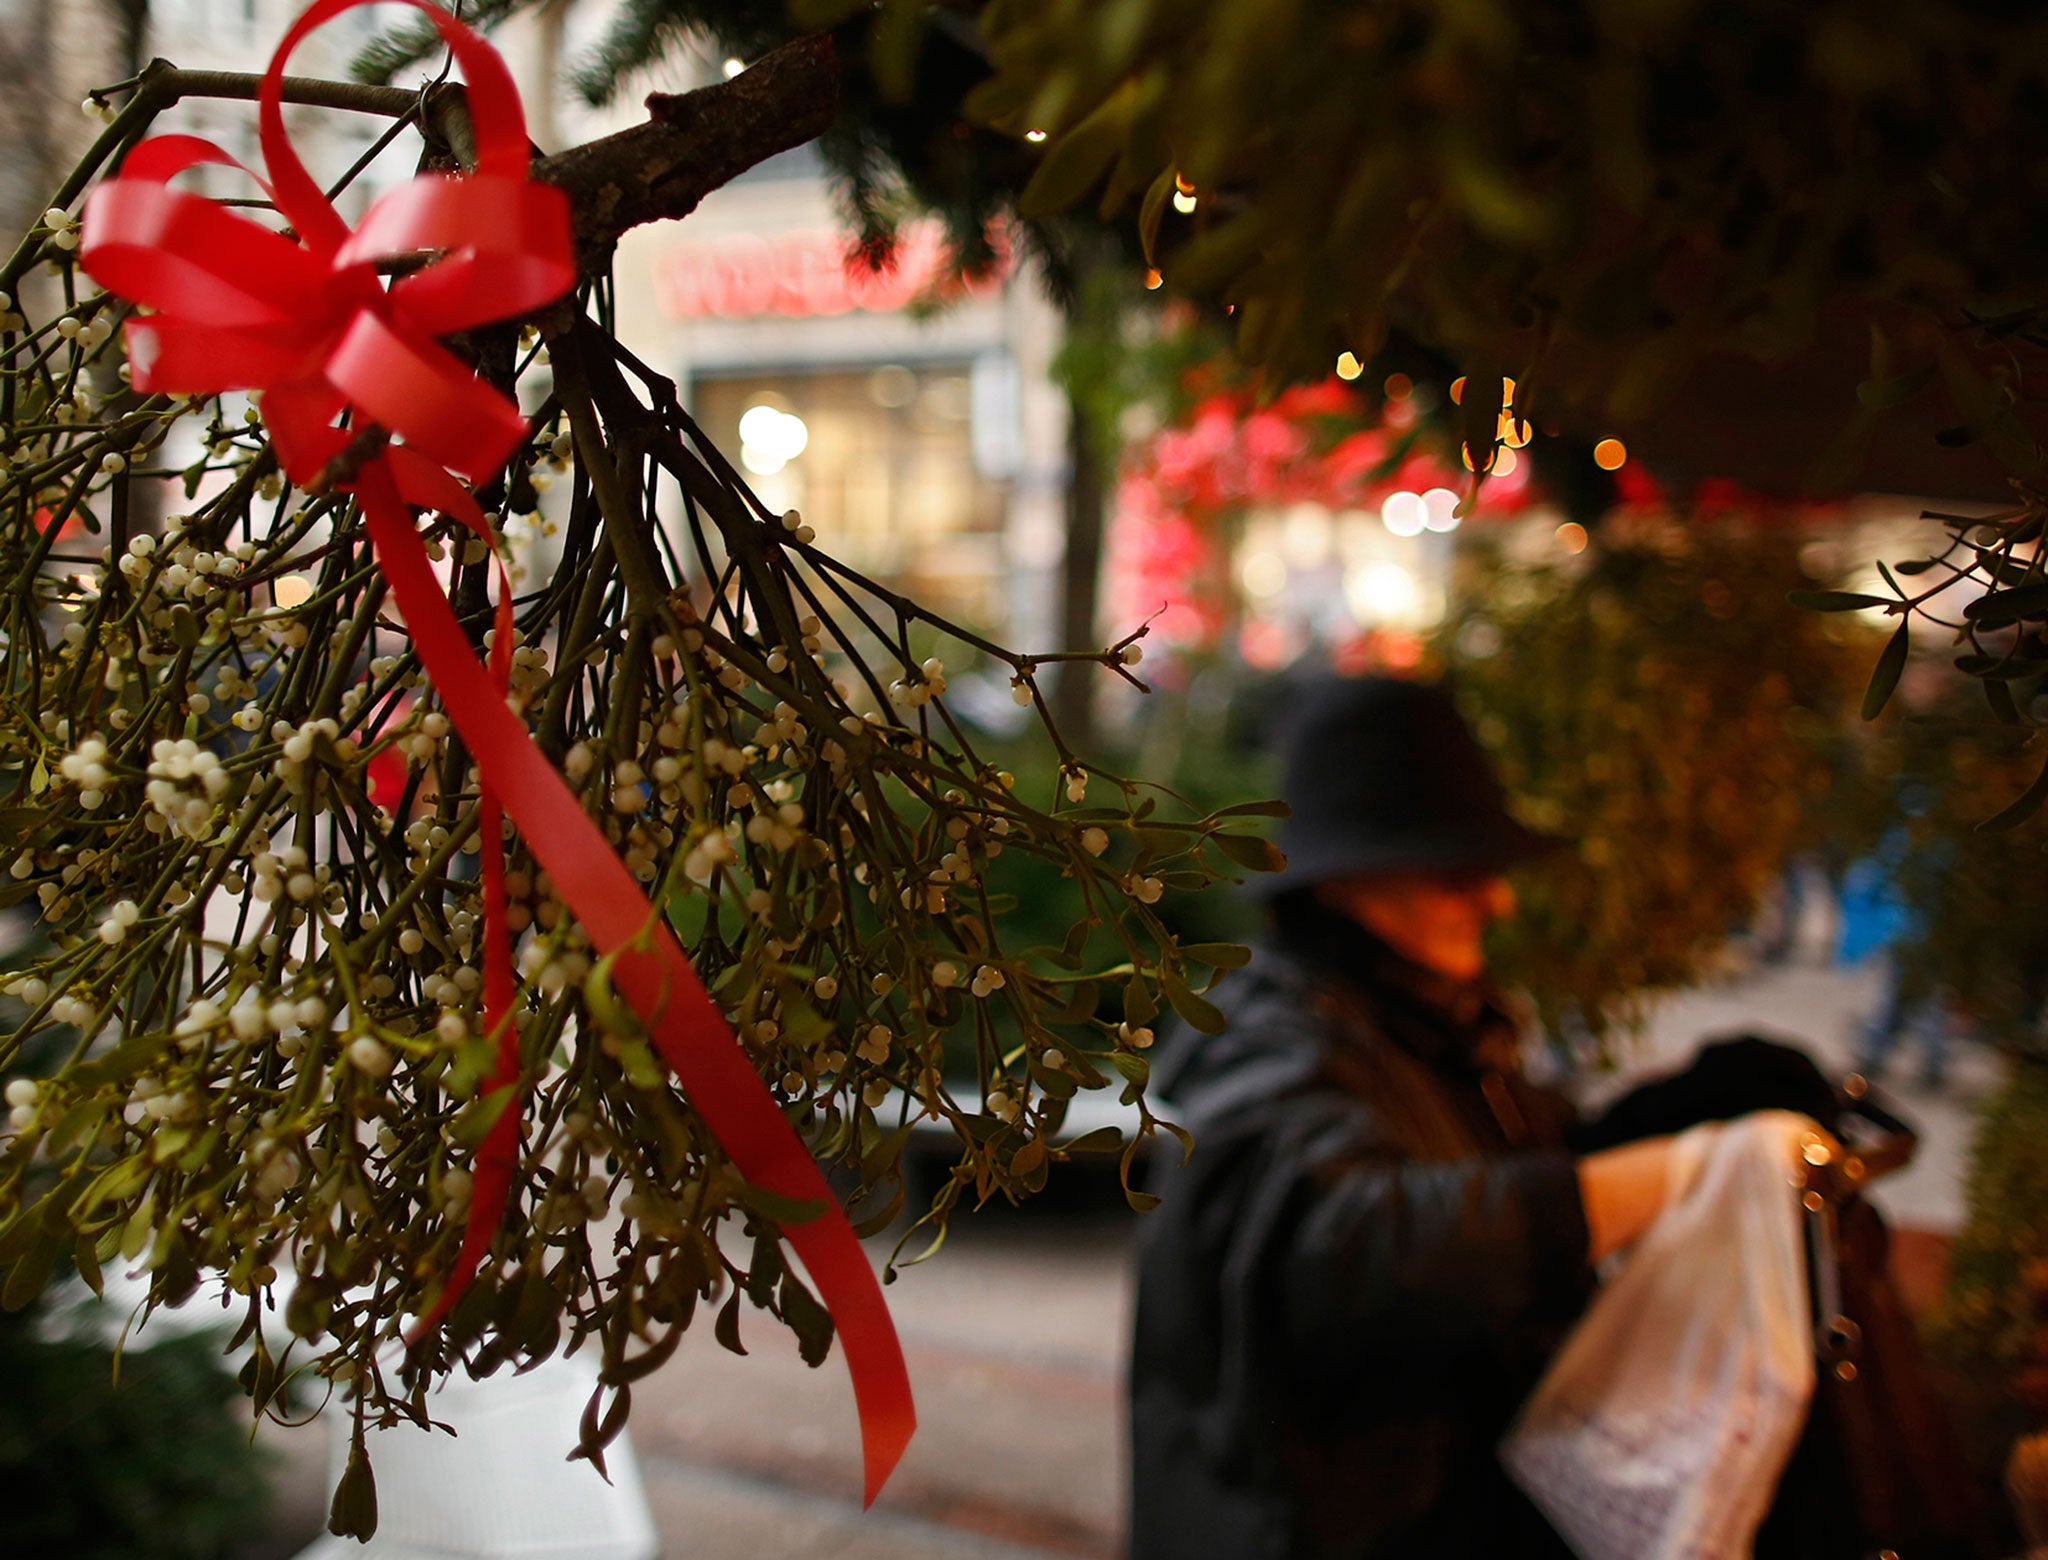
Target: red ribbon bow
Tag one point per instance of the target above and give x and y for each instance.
(310, 324)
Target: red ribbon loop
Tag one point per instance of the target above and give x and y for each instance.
(499, 236)
(241, 307)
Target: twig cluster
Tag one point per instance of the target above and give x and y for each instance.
(247, 1047)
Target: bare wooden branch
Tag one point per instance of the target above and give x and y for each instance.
(693, 143)
(165, 84)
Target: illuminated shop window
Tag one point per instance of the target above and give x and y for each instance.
(881, 460)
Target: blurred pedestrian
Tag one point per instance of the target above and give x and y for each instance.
(1382, 1234)
(1877, 921)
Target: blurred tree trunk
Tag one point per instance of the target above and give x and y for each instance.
(1073, 692)
(132, 22)
(1089, 281)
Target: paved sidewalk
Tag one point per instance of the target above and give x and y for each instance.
(1016, 1345)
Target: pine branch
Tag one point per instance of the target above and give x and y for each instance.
(644, 31)
(416, 40)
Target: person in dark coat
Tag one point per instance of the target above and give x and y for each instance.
(1381, 1234)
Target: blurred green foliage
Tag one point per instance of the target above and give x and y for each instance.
(1996, 1313)
(1658, 702)
(1612, 189)
(158, 1462)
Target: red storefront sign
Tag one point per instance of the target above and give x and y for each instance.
(801, 273)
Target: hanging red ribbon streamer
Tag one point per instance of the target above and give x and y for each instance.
(311, 324)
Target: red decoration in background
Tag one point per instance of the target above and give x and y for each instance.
(310, 323)
(1231, 455)
(385, 774)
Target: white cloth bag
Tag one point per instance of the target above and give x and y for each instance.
(1664, 1424)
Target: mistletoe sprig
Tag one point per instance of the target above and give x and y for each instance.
(249, 1047)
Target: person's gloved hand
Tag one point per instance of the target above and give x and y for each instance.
(1728, 1077)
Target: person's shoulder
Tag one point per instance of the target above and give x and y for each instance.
(1274, 1040)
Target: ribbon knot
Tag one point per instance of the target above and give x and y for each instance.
(238, 306)
(308, 321)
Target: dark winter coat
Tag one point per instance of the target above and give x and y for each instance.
(1359, 1275)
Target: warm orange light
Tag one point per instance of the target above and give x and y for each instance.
(1180, 183)
(1610, 454)
(1507, 392)
(1398, 387)
(1571, 536)
(1348, 366)
(1152, 280)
